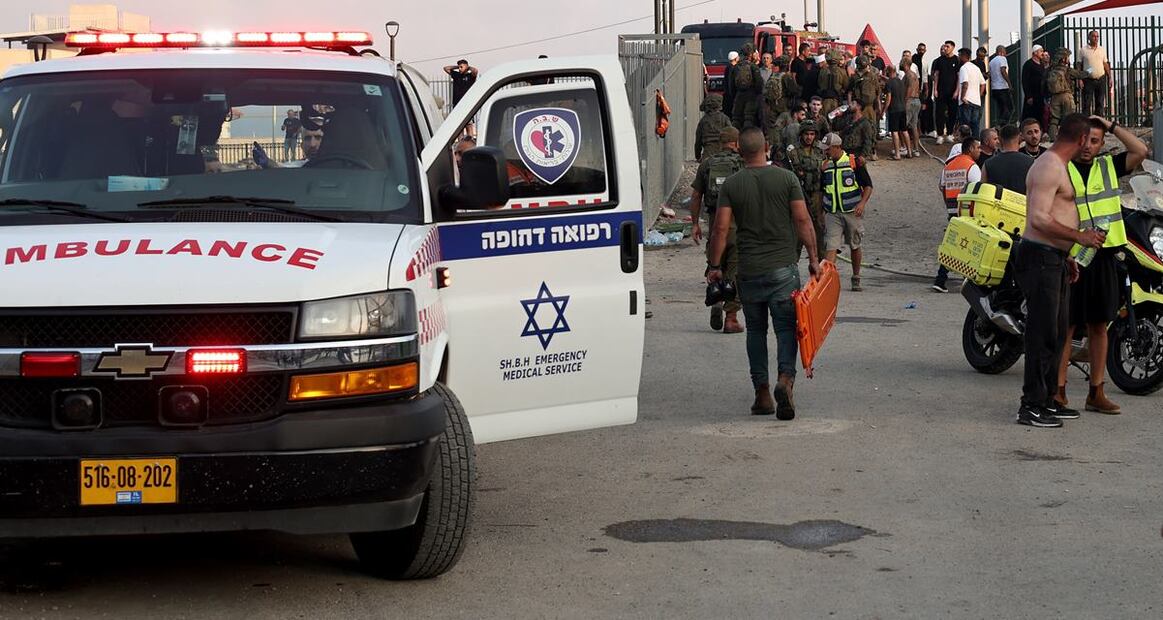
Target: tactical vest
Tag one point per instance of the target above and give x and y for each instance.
(828, 84)
(954, 178)
(1098, 201)
(719, 167)
(743, 76)
(841, 191)
(807, 160)
(1057, 82)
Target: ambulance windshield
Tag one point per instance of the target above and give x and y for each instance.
(333, 143)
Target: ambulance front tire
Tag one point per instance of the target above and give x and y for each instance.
(433, 545)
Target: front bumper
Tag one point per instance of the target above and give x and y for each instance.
(346, 469)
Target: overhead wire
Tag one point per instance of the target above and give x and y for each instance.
(557, 37)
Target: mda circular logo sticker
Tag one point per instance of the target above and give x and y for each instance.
(547, 141)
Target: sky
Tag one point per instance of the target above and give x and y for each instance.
(438, 32)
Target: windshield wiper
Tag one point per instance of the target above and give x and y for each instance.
(273, 204)
(60, 206)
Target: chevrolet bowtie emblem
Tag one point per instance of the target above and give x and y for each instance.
(133, 361)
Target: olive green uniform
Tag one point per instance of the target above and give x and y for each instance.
(860, 137)
(1060, 81)
(833, 83)
(805, 162)
(710, 126)
(720, 164)
(866, 88)
(747, 93)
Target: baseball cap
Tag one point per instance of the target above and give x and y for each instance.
(832, 139)
(733, 55)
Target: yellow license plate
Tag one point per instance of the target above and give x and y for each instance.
(129, 481)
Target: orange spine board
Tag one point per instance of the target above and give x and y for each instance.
(816, 306)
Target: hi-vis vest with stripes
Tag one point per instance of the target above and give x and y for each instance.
(841, 191)
(954, 178)
(1097, 200)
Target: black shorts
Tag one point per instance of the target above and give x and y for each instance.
(898, 121)
(1096, 297)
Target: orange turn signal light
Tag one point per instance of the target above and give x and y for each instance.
(356, 382)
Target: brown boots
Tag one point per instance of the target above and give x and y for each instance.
(786, 409)
(1097, 401)
(763, 404)
(731, 324)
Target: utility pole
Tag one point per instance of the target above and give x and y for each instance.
(1027, 30)
(664, 16)
(983, 24)
(967, 24)
(820, 15)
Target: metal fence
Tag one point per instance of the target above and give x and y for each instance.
(1134, 46)
(673, 65)
(234, 152)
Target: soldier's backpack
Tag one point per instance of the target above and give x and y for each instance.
(773, 91)
(719, 168)
(827, 83)
(1056, 82)
(743, 76)
(791, 88)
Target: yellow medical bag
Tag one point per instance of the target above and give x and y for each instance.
(976, 251)
(994, 206)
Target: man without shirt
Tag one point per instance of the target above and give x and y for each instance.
(1043, 268)
(771, 218)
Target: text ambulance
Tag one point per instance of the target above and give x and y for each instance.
(197, 335)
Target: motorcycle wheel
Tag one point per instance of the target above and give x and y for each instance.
(1135, 365)
(987, 348)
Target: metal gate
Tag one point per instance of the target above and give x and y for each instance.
(673, 65)
(1134, 46)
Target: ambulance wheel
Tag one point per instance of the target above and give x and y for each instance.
(987, 348)
(433, 545)
(1135, 365)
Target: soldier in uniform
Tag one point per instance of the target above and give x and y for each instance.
(806, 160)
(833, 81)
(711, 125)
(1060, 82)
(866, 87)
(860, 136)
(748, 89)
(791, 88)
(709, 179)
(774, 103)
(787, 124)
(816, 115)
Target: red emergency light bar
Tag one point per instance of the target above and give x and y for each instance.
(216, 362)
(215, 39)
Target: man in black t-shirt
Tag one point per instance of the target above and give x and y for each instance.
(946, 85)
(1009, 167)
(800, 63)
(463, 77)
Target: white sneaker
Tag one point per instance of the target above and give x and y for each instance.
(932, 134)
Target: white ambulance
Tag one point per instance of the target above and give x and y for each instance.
(203, 329)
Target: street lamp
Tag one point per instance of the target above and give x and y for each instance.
(392, 28)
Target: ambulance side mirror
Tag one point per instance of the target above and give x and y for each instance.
(484, 181)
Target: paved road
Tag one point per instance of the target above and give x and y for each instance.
(903, 490)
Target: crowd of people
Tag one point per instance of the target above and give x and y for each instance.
(782, 169)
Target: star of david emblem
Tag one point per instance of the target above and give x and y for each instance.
(533, 328)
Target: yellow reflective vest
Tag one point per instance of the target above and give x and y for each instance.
(1097, 200)
(841, 191)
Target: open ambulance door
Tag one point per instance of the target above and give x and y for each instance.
(545, 308)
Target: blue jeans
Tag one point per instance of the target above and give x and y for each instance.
(971, 115)
(765, 294)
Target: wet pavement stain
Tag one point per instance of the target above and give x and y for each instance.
(1028, 455)
(804, 535)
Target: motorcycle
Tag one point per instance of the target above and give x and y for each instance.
(991, 336)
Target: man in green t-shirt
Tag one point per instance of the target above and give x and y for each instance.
(771, 219)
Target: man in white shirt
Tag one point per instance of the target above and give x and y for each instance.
(1000, 95)
(970, 93)
(1097, 81)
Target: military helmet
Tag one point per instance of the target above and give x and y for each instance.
(807, 126)
(862, 62)
(782, 61)
(1061, 54)
(747, 49)
(835, 56)
(711, 103)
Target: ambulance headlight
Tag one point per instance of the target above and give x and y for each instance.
(1156, 238)
(391, 313)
